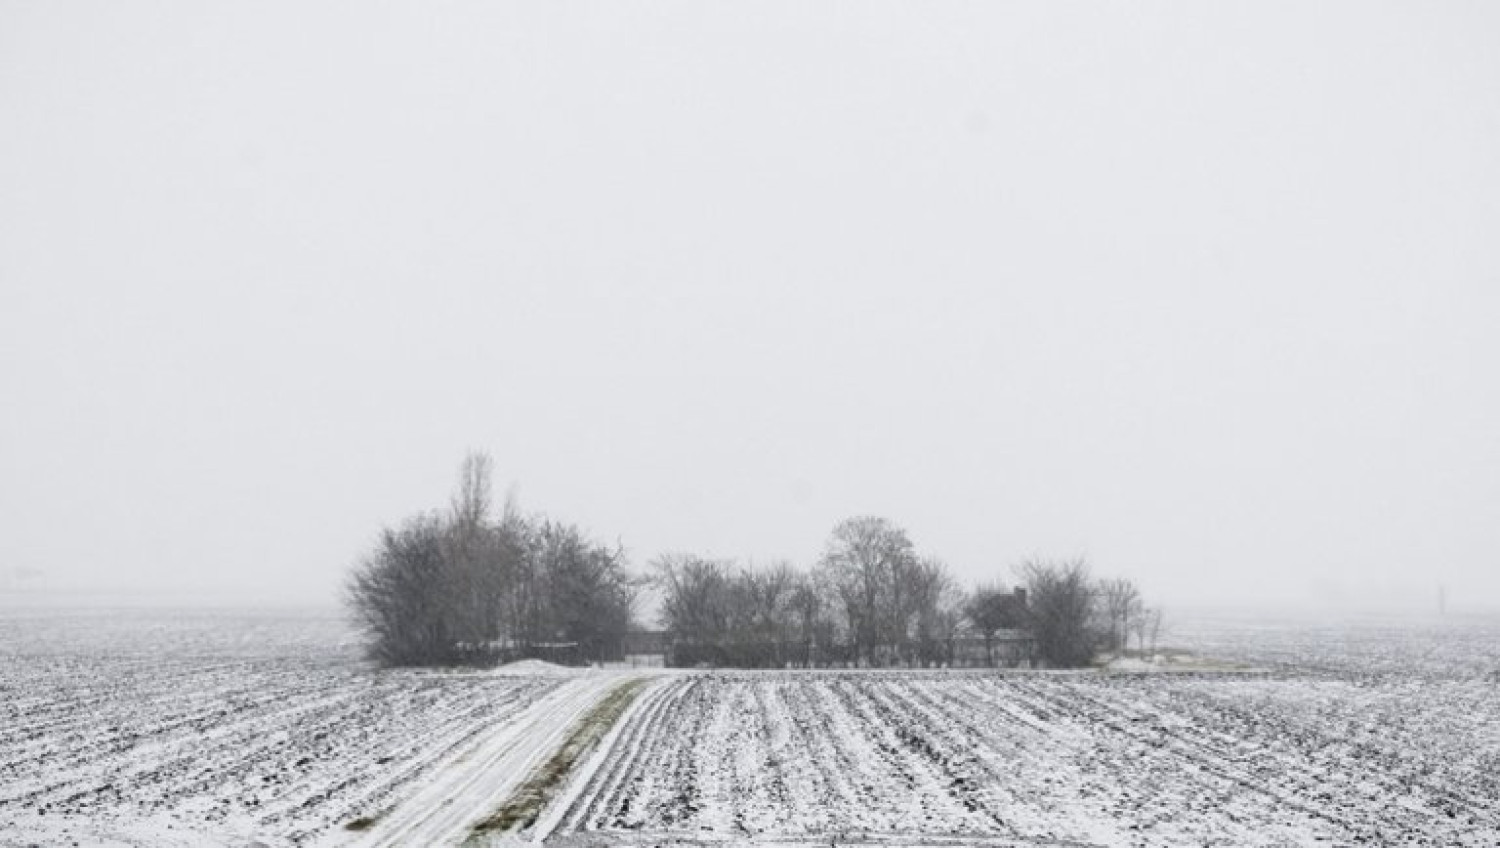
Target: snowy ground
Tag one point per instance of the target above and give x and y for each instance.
(152, 729)
(1147, 759)
(1362, 732)
(163, 729)
(1453, 647)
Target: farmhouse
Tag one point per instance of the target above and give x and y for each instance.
(1011, 648)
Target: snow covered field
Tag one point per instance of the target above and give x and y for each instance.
(1126, 760)
(1455, 647)
(161, 729)
(1376, 732)
(182, 729)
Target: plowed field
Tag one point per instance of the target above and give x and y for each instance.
(1145, 759)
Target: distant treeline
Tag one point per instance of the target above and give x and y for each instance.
(463, 587)
(872, 601)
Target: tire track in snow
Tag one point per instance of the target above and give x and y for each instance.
(478, 781)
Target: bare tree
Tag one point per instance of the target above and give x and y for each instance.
(471, 502)
(768, 594)
(400, 594)
(1147, 626)
(589, 595)
(695, 606)
(1061, 609)
(937, 602)
(866, 561)
(1120, 602)
(811, 625)
(482, 559)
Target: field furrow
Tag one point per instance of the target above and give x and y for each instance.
(1127, 760)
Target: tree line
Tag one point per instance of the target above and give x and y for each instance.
(464, 586)
(872, 600)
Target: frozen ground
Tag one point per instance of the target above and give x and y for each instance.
(1453, 647)
(1143, 759)
(1370, 732)
(163, 729)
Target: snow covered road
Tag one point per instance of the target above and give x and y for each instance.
(476, 782)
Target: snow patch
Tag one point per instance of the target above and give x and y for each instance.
(536, 667)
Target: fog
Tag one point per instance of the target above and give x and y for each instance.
(1205, 293)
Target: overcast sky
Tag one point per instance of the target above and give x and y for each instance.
(1209, 293)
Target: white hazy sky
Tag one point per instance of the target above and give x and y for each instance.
(1209, 293)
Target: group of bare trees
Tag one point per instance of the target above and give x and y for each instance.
(1073, 617)
(464, 586)
(723, 615)
(1062, 611)
(871, 600)
(1125, 616)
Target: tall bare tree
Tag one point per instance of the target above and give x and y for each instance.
(1120, 603)
(1147, 626)
(867, 560)
(695, 606)
(1061, 597)
(937, 602)
(810, 623)
(768, 595)
(471, 501)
